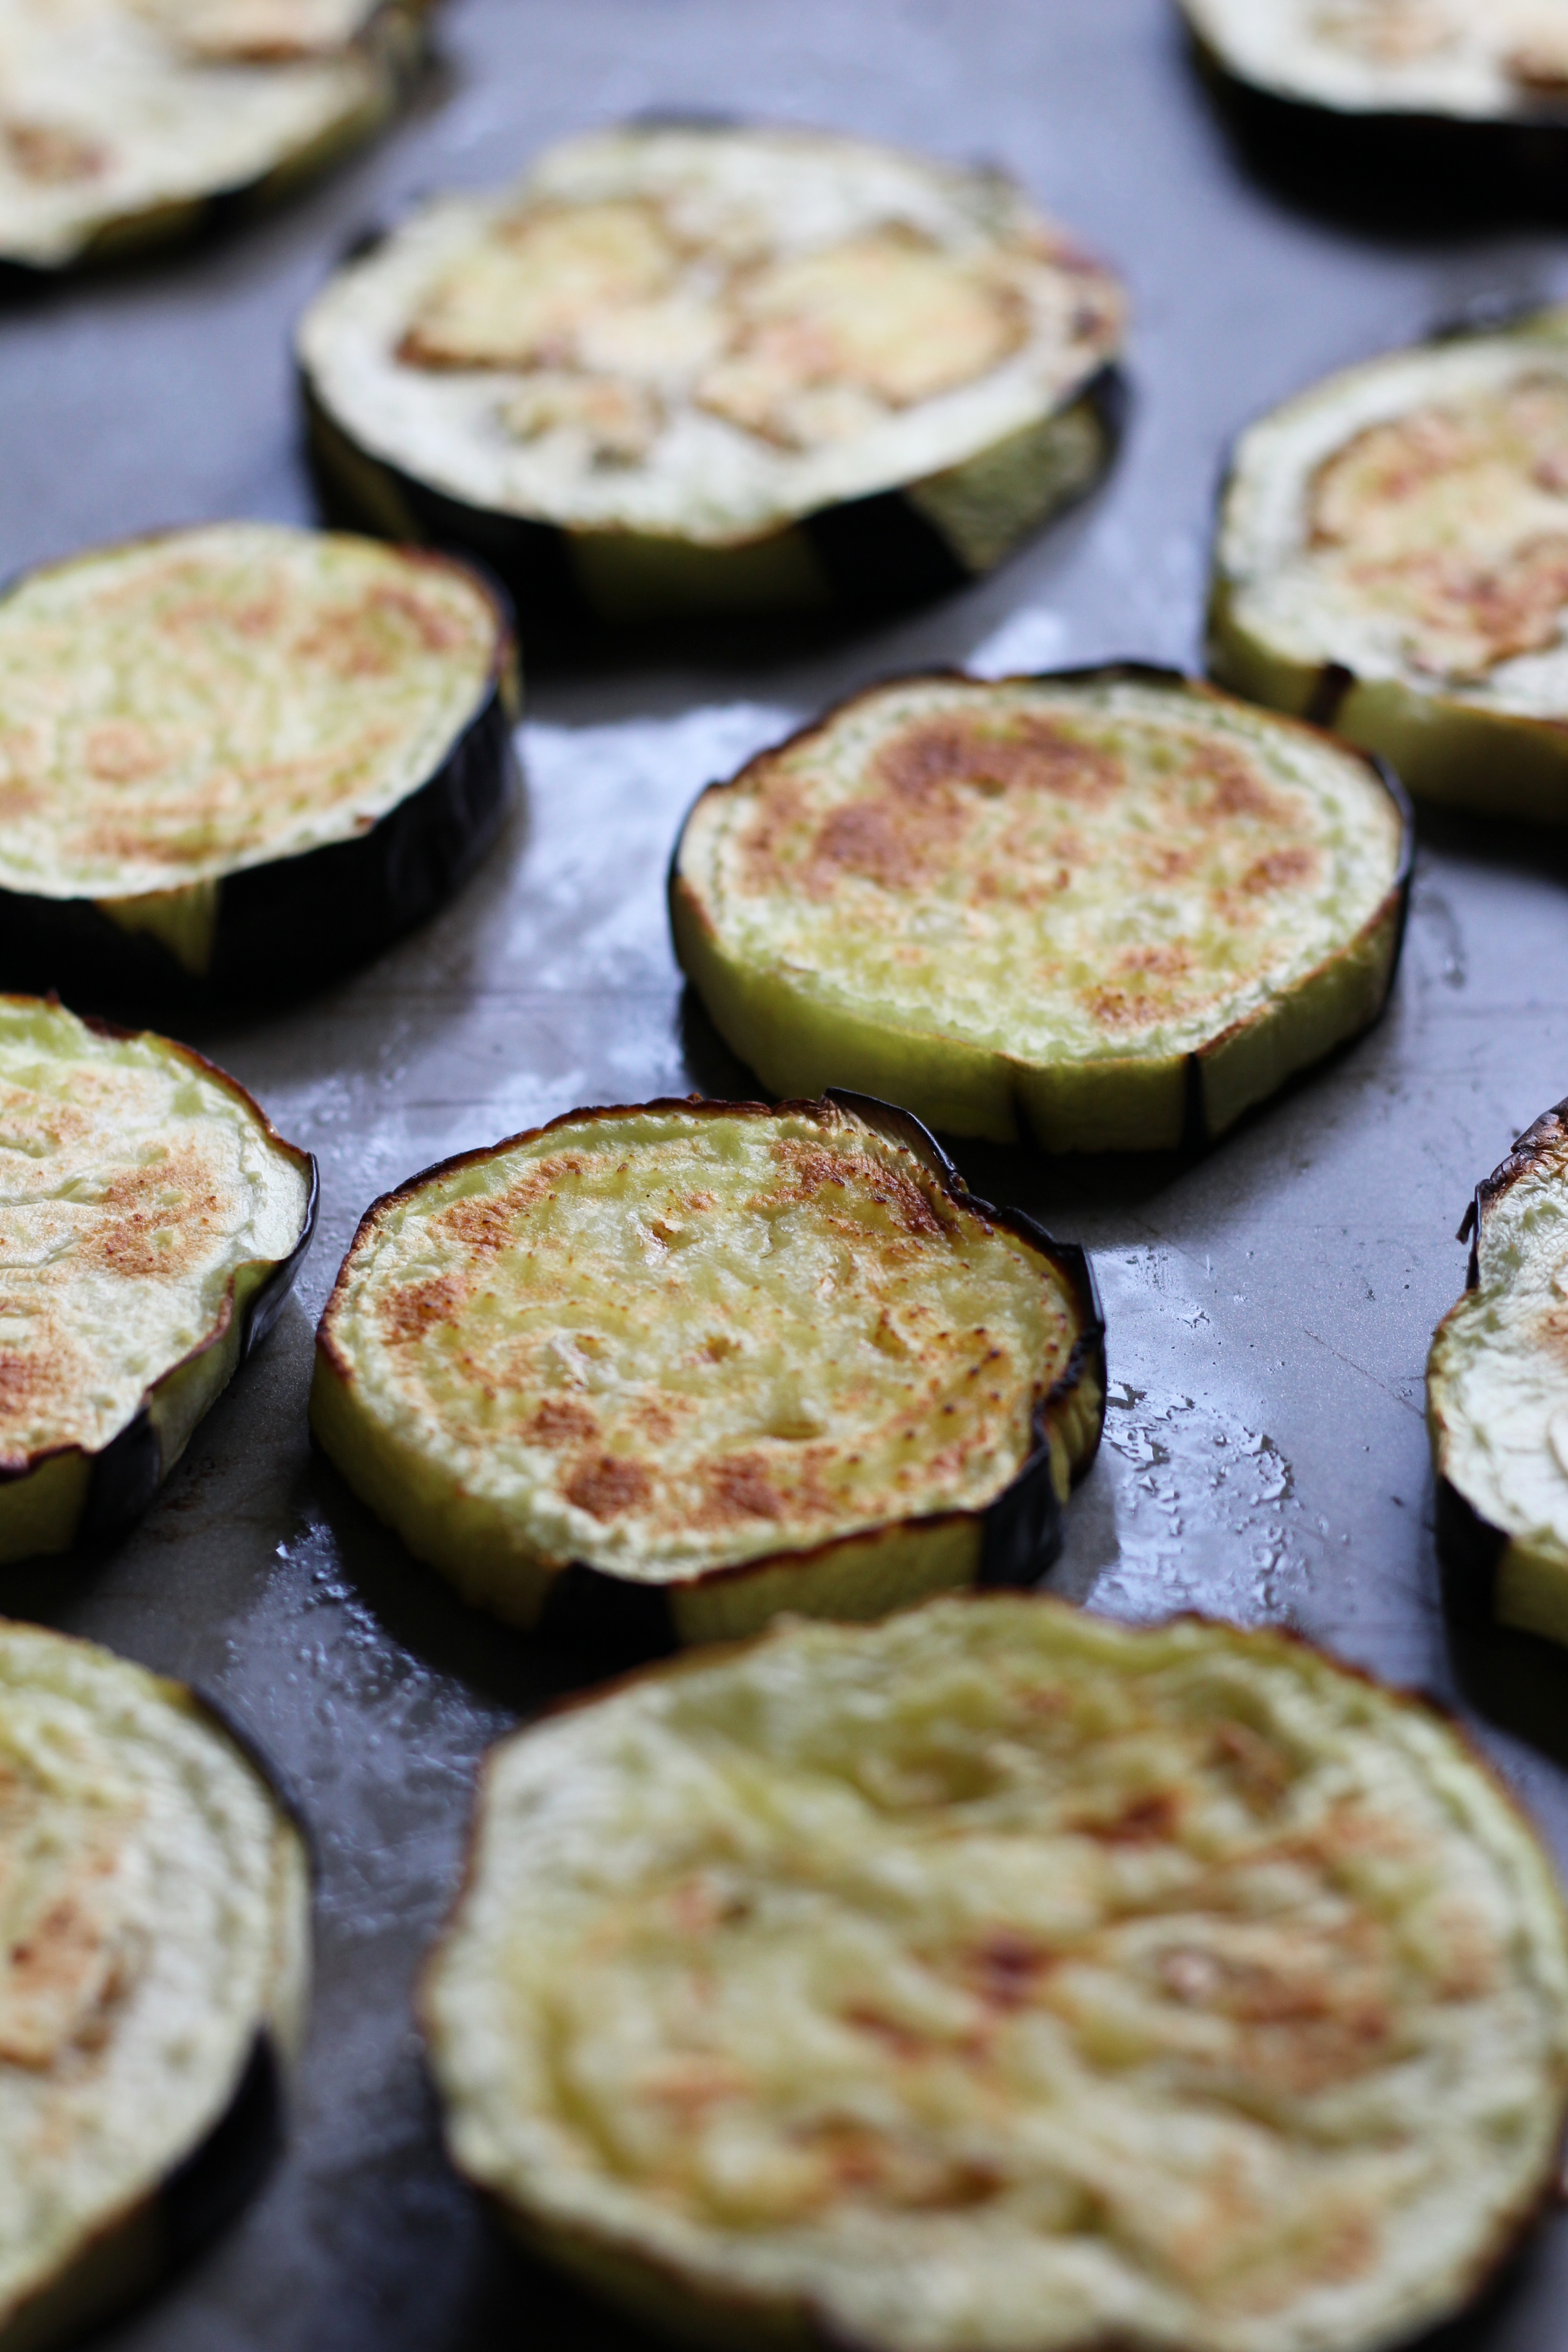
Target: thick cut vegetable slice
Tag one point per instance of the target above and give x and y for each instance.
(688, 368)
(1110, 908)
(999, 1979)
(126, 122)
(726, 1359)
(241, 756)
(1497, 1391)
(152, 1223)
(1392, 560)
(154, 1970)
(1419, 108)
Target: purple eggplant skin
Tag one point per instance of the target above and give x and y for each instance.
(1468, 1547)
(290, 926)
(130, 1469)
(878, 554)
(1022, 1526)
(1395, 169)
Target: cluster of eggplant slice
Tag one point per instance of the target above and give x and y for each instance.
(976, 1975)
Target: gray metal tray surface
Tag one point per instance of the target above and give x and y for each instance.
(1269, 1302)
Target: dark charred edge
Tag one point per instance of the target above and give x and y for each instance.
(1494, 2263)
(1022, 1526)
(396, 42)
(1549, 1132)
(1413, 171)
(290, 926)
(880, 554)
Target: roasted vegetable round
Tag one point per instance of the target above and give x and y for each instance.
(1419, 109)
(156, 1964)
(999, 1979)
(1497, 1392)
(1392, 560)
(151, 1227)
(241, 756)
(1110, 909)
(713, 1357)
(125, 122)
(691, 367)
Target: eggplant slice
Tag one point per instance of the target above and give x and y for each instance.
(1110, 909)
(999, 1979)
(1497, 1394)
(689, 368)
(1393, 561)
(126, 124)
(1421, 111)
(674, 1367)
(151, 1227)
(241, 758)
(152, 1996)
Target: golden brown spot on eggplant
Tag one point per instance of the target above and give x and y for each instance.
(52, 154)
(810, 1168)
(1539, 62)
(68, 1962)
(123, 750)
(408, 1313)
(1005, 1968)
(826, 340)
(608, 1485)
(523, 295)
(562, 1421)
(1281, 869)
(489, 1223)
(740, 1488)
(1031, 754)
(371, 639)
(1142, 1820)
(1261, 1771)
(1236, 787)
(1386, 32)
(154, 1219)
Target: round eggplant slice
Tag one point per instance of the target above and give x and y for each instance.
(156, 1910)
(999, 1979)
(1497, 1392)
(240, 758)
(1412, 109)
(1109, 909)
(1393, 561)
(151, 1228)
(675, 1368)
(691, 367)
(125, 123)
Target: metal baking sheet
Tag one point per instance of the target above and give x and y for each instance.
(1270, 1303)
